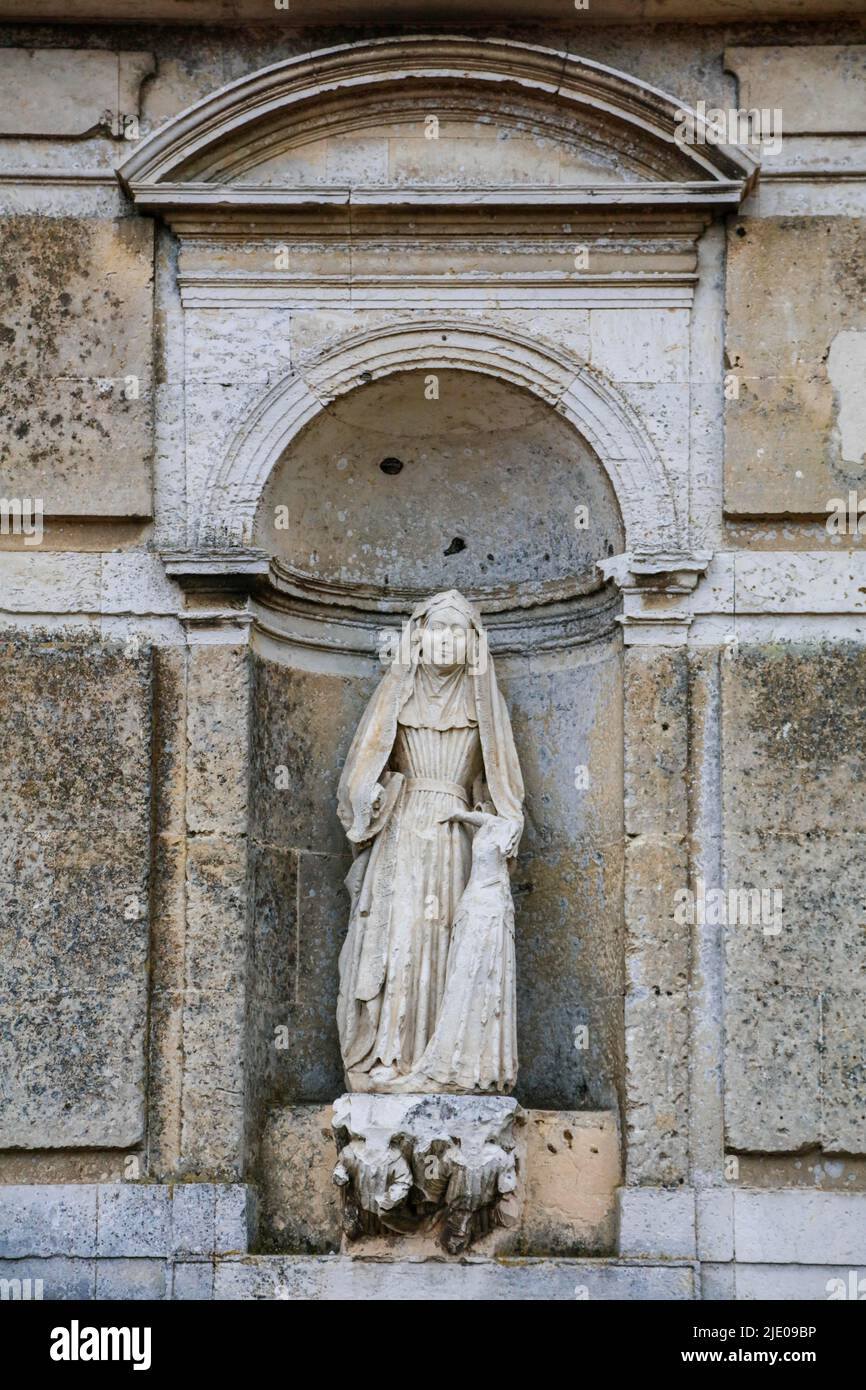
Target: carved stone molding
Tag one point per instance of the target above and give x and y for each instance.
(583, 396)
(646, 581)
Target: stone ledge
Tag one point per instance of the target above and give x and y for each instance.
(339, 1278)
(111, 1221)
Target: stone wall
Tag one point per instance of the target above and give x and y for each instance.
(181, 675)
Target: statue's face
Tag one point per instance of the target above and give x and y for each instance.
(444, 642)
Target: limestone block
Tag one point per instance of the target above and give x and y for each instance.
(133, 1220)
(817, 87)
(656, 695)
(217, 734)
(818, 934)
(192, 1218)
(215, 1005)
(75, 865)
(800, 1227)
(657, 1086)
(791, 1283)
(572, 1171)
(772, 1068)
(792, 765)
(300, 1203)
(656, 869)
(132, 1279)
(650, 345)
(717, 1283)
(43, 583)
(714, 1212)
(785, 449)
(53, 1279)
(843, 1068)
(59, 1219)
(338, 1278)
(69, 91)
(655, 1221)
(235, 1218)
(784, 708)
(76, 325)
(193, 1281)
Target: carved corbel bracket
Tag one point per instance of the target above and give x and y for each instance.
(427, 1163)
(655, 586)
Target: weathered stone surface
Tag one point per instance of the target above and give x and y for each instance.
(772, 1069)
(657, 1078)
(471, 460)
(76, 316)
(66, 91)
(75, 869)
(791, 765)
(134, 1221)
(217, 739)
(714, 1213)
(572, 1168)
(656, 695)
(784, 454)
(132, 1279)
(654, 1221)
(300, 1203)
(336, 1277)
(50, 1279)
(45, 1221)
(793, 1283)
(800, 1227)
(817, 87)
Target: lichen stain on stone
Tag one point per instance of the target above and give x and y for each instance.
(804, 704)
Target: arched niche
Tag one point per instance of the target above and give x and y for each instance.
(491, 460)
(422, 481)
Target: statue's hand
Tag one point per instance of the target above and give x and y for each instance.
(466, 817)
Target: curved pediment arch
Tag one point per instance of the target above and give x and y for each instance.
(589, 131)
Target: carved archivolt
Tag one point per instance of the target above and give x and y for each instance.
(583, 396)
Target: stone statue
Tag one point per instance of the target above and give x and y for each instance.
(427, 977)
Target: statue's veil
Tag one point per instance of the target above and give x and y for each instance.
(374, 737)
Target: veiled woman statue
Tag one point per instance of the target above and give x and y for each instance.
(427, 979)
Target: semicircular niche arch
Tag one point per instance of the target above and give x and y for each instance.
(420, 481)
(597, 412)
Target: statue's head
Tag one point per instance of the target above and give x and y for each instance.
(447, 623)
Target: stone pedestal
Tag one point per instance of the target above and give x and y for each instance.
(443, 1167)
